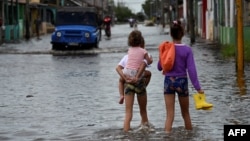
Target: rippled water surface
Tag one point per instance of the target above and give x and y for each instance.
(75, 98)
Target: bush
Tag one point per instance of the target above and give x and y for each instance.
(229, 50)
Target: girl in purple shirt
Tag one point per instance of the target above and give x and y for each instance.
(176, 80)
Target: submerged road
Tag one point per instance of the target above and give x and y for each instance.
(73, 95)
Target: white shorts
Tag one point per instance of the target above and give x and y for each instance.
(129, 72)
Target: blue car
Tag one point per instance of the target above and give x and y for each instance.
(76, 28)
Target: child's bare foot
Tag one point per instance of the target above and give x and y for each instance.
(121, 100)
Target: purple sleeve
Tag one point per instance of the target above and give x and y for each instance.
(159, 66)
(191, 68)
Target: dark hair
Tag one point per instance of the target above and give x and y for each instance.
(135, 38)
(176, 30)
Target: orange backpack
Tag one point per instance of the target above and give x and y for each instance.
(166, 56)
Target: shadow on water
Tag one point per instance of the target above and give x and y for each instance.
(241, 83)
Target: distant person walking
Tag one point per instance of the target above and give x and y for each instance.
(107, 25)
(176, 80)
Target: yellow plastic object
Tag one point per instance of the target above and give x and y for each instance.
(200, 102)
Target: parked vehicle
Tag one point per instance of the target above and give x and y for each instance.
(76, 28)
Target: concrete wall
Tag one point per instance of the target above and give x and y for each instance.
(228, 35)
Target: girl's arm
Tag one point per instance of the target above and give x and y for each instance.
(142, 67)
(192, 72)
(159, 65)
(141, 70)
(148, 58)
(120, 72)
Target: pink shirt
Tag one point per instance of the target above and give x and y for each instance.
(135, 57)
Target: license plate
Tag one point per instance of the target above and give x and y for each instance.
(73, 44)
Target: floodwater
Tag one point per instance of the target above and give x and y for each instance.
(46, 97)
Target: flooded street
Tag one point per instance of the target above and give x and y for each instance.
(54, 96)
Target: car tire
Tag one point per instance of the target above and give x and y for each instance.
(96, 44)
(55, 47)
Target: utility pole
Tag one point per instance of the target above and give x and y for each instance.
(163, 15)
(170, 11)
(176, 10)
(27, 21)
(57, 3)
(102, 10)
(240, 37)
(191, 22)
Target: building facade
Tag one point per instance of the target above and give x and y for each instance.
(215, 20)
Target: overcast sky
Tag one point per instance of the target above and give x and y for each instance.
(134, 5)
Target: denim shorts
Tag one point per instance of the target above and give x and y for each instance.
(138, 88)
(177, 85)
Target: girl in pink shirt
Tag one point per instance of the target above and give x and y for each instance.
(136, 55)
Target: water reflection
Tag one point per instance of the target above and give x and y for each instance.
(241, 83)
(73, 97)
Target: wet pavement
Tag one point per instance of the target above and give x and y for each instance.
(73, 96)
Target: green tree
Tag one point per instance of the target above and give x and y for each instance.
(151, 7)
(123, 13)
(140, 16)
(146, 7)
